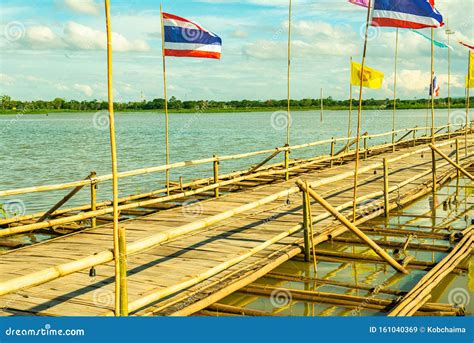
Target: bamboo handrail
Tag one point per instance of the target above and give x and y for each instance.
(106, 256)
(92, 214)
(176, 165)
(461, 169)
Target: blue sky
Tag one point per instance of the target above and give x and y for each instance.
(55, 48)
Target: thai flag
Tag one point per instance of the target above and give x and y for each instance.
(434, 86)
(183, 38)
(410, 14)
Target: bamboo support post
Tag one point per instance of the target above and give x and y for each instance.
(123, 273)
(414, 137)
(113, 148)
(306, 224)
(366, 148)
(216, 176)
(93, 198)
(287, 164)
(456, 165)
(379, 251)
(311, 234)
(386, 188)
(457, 157)
(333, 146)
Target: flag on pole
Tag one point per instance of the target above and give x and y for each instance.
(470, 77)
(435, 42)
(409, 14)
(434, 86)
(363, 3)
(372, 78)
(184, 38)
(467, 45)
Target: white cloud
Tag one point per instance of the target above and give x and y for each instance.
(82, 37)
(41, 37)
(6, 80)
(78, 37)
(83, 6)
(84, 89)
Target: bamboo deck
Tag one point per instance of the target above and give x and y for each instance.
(185, 257)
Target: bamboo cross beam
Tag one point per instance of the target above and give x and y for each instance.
(265, 161)
(62, 201)
(456, 165)
(341, 218)
(404, 136)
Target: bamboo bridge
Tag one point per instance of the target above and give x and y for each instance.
(189, 245)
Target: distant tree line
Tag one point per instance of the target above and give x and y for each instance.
(58, 104)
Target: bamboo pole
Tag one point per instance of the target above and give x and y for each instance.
(311, 233)
(386, 188)
(288, 126)
(216, 176)
(93, 198)
(123, 273)
(359, 112)
(349, 126)
(322, 107)
(395, 91)
(116, 234)
(454, 164)
(468, 98)
(306, 221)
(457, 157)
(165, 92)
(333, 146)
(449, 33)
(379, 251)
(432, 89)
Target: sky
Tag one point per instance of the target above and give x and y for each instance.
(57, 48)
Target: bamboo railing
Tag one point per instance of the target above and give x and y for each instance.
(145, 244)
(94, 209)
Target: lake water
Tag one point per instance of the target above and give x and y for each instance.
(47, 149)
(455, 289)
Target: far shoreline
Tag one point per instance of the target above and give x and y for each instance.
(226, 110)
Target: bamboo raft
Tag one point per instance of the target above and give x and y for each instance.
(182, 259)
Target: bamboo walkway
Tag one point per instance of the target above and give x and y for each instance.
(188, 273)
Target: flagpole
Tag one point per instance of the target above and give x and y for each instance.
(167, 147)
(120, 263)
(433, 155)
(322, 106)
(432, 89)
(468, 84)
(395, 92)
(349, 128)
(359, 112)
(289, 77)
(449, 33)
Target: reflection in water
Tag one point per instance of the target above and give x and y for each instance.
(349, 287)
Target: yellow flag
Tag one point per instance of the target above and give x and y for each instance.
(372, 78)
(470, 77)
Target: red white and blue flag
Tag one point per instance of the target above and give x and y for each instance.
(410, 14)
(184, 38)
(434, 86)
